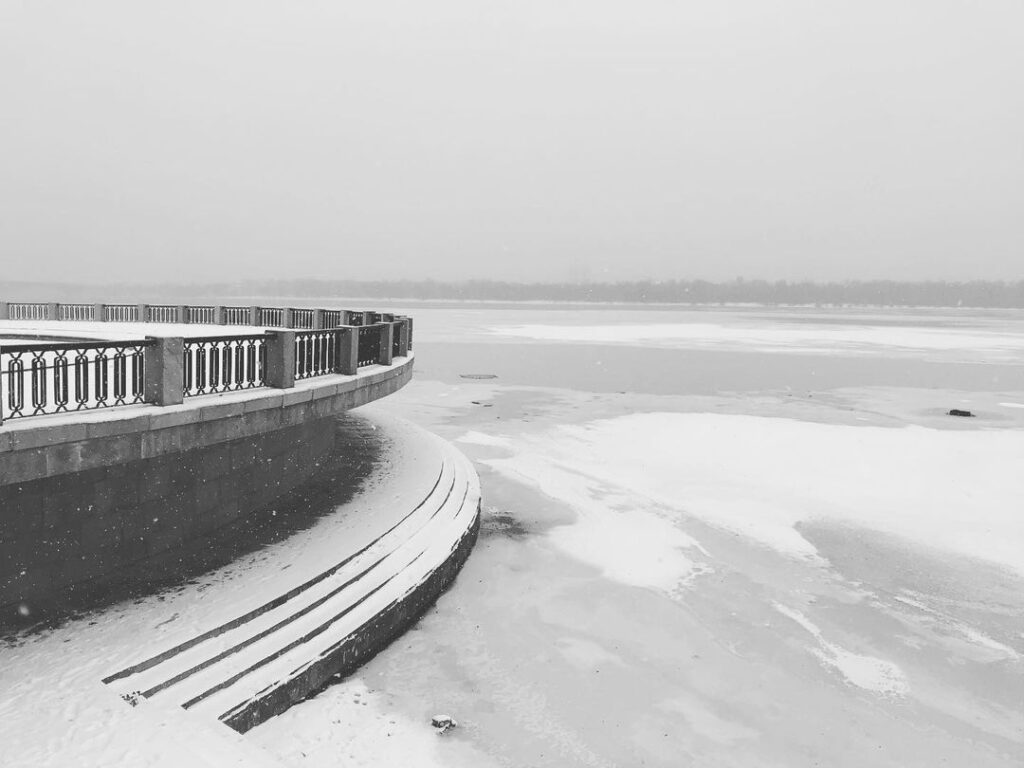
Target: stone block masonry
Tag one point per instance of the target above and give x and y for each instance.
(75, 530)
(81, 498)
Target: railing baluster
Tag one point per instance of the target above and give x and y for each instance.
(60, 382)
(39, 383)
(102, 378)
(120, 376)
(139, 375)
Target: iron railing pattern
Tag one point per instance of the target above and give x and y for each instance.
(163, 313)
(300, 318)
(316, 353)
(57, 378)
(76, 311)
(204, 315)
(303, 318)
(237, 315)
(223, 364)
(272, 317)
(369, 345)
(121, 313)
(27, 311)
(46, 378)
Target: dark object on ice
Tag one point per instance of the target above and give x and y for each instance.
(958, 412)
(443, 722)
(478, 375)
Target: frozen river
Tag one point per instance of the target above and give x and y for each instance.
(718, 537)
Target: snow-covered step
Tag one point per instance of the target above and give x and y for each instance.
(159, 672)
(373, 623)
(326, 618)
(256, 663)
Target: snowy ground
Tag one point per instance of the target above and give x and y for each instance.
(779, 576)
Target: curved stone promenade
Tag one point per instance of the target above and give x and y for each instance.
(146, 445)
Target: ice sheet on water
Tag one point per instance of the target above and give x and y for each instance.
(959, 491)
(779, 338)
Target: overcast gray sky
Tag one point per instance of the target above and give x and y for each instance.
(526, 139)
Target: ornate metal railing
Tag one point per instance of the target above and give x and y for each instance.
(121, 313)
(76, 311)
(271, 316)
(303, 318)
(163, 313)
(333, 318)
(27, 311)
(223, 364)
(369, 344)
(237, 316)
(203, 315)
(56, 378)
(44, 378)
(316, 353)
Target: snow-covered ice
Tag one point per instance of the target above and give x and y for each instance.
(960, 491)
(903, 340)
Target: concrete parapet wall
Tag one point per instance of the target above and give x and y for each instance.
(82, 495)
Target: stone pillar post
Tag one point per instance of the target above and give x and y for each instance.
(280, 372)
(288, 317)
(408, 331)
(142, 313)
(386, 340)
(367, 318)
(5, 310)
(53, 311)
(254, 315)
(164, 360)
(219, 316)
(318, 319)
(347, 355)
(181, 313)
(99, 313)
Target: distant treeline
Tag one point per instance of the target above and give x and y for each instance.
(878, 293)
(885, 293)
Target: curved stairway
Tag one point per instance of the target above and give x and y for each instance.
(357, 592)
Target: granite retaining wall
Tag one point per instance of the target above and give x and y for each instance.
(82, 497)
